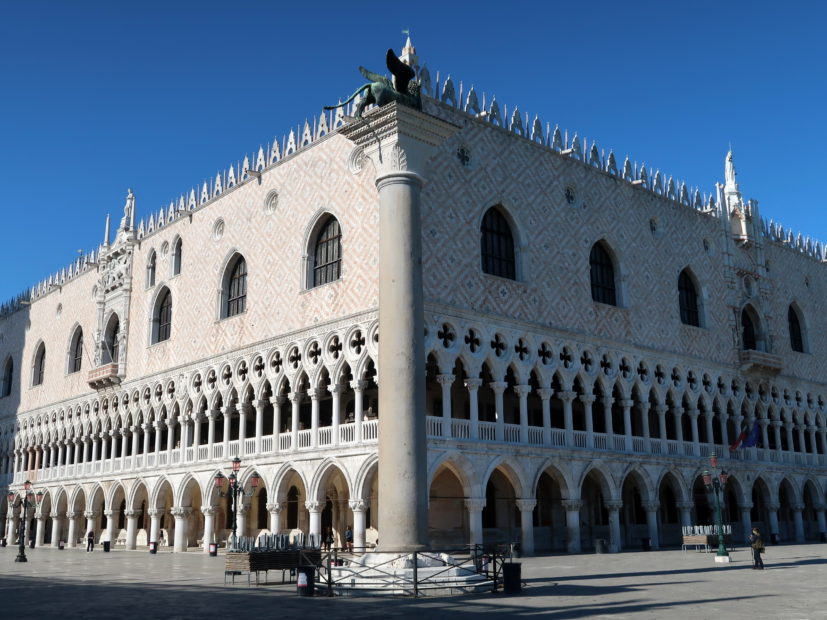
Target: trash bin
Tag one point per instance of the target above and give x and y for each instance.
(600, 545)
(775, 538)
(213, 550)
(153, 547)
(647, 544)
(106, 545)
(306, 580)
(511, 577)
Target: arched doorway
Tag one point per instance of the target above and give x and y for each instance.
(594, 515)
(550, 530)
(500, 520)
(447, 517)
(669, 521)
(633, 515)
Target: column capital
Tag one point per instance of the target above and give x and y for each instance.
(773, 505)
(209, 511)
(313, 506)
(91, 514)
(685, 504)
(545, 393)
(473, 383)
(613, 505)
(71, 514)
(155, 512)
(110, 513)
(336, 388)
(498, 386)
(181, 512)
(677, 410)
(132, 514)
(475, 504)
(522, 390)
(650, 506)
(40, 515)
(295, 396)
(274, 508)
(317, 393)
(572, 505)
(261, 402)
(526, 505)
(798, 507)
(693, 412)
(587, 399)
(358, 385)
(626, 403)
(745, 506)
(54, 515)
(358, 505)
(445, 379)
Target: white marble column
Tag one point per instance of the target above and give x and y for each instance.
(499, 408)
(155, 524)
(614, 506)
(693, 423)
(212, 414)
(685, 509)
(798, 520)
(445, 383)
(209, 526)
(181, 514)
(277, 402)
(473, 385)
(91, 518)
(243, 411)
(651, 509)
(710, 433)
(336, 397)
(608, 401)
(772, 508)
(145, 429)
(627, 404)
(314, 416)
(183, 422)
(132, 527)
(678, 413)
(359, 508)
(295, 400)
(661, 411)
(315, 529)
(56, 533)
(474, 506)
(71, 526)
(522, 392)
(746, 521)
(776, 431)
(241, 519)
(274, 510)
(227, 412)
(358, 387)
(572, 508)
(588, 400)
(526, 508)
(545, 395)
(196, 435)
(111, 533)
(39, 532)
(259, 405)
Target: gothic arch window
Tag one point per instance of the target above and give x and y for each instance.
(602, 274)
(688, 299)
(8, 377)
(497, 245)
(796, 331)
(76, 351)
(177, 251)
(327, 253)
(749, 330)
(162, 317)
(39, 366)
(111, 340)
(150, 269)
(234, 287)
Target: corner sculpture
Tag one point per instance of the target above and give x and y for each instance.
(404, 88)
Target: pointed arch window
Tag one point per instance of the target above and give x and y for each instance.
(796, 334)
(177, 254)
(602, 274)
(76, 352)
(327, 253)
(8, 377)
(497, 245)
(39, 370)
(111, 341)
(236, 287)
(162, 317)
(150, 269)
(747, 331)
(688, 300)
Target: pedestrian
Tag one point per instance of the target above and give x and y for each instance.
(328, 539)
(90, 541)
(349, 538)
(757, 544)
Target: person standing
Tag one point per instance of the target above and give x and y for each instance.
(90, 541)
(349, 538)
(757, 544)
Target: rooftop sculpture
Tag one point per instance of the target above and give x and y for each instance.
(404, 88)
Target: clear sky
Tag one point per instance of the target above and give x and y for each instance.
(158, 96)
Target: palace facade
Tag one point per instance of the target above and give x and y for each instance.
(593, 332)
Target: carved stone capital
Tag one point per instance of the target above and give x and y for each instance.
(72, 515)
(155, 513)
(445, 379)
(313, 506)
(274, 508)
(181, 512)
(613, 505)
(522, 390)
(132, 514)
(358, 385)
(650, 506)
(475, 504)
(358, 505)
(545, 393)
(526, 505)
(572, 505)
(54, 515)
(498, 386)
(91, 514)
(685, 504)
(473, 383)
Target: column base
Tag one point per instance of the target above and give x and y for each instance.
(398, 549)
(723, 559)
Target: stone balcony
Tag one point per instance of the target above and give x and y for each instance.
(760, 361)
(104, 376)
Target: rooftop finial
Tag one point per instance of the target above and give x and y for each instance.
(409, 56)
(106, 232)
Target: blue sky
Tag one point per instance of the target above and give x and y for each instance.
(97, 97)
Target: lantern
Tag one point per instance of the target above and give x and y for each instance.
(39, 496)
(236, 464)
(723, 478)
(254, 480)
(713, 461)
(27, 485)
(219, 480)
(10, 496)
(707, 479)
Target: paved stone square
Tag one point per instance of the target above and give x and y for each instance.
(121, 584)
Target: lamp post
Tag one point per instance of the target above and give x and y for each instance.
(24, 507)
(235, 490)
(715, 483)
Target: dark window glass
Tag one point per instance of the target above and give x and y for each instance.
(150, 271)
(176, 259)
(40, 366)
(8, 376)
(327, 257)
(77, 352)
(688, 300)
(111, 342)
(602, 273)
(748, 331)
(497, 245)
(237, 289)
(796, 340)
(164, 317)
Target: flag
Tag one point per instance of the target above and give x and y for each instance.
(739, 440)
(752, 438)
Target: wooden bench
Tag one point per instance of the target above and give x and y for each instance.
(705, 541)
(235, 573)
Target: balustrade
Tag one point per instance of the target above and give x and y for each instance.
(488, 431)
(267, 444)
(461, 429)
(285, 441)
(347, 433)
(512, 433)
(304, 438)
(370, 430)
(535, 435)
(325, 436)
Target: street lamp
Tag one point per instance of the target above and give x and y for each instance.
(24, 507)
(235, 491)
(715, 483)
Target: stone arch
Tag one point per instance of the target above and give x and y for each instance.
(318, 222)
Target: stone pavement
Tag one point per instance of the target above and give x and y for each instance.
(133, 584)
